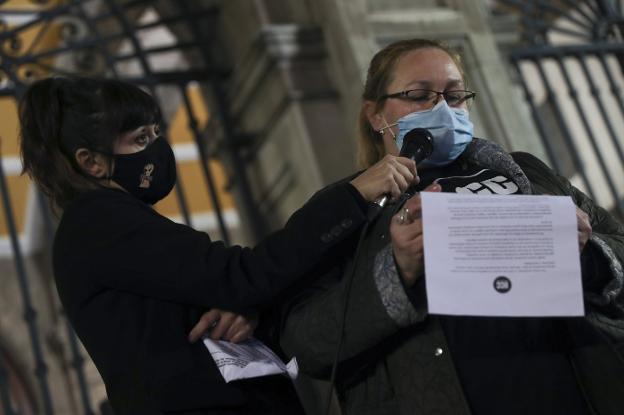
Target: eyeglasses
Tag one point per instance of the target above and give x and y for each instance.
(422, 97)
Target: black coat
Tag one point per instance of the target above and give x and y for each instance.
(395, 358)
(133, 284)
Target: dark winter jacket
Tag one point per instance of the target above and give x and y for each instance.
(395, 358)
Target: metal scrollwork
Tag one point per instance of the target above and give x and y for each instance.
(29, 73)
(73, 32)
(12, 46)
(71, 29)
(572, 57)
(43, 2)
(4, 79)
(89, 61)
(577, 21)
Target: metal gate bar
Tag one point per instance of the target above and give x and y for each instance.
(30, 315)
(595, 92)
(551, 97)
(615, 89)
(599, 27)
(148, 73)
(539, 120)
(257, 223)
(204, 163)
(588, 130)
(5, 392)
(77, 361)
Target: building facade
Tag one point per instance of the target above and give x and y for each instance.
(261, 99)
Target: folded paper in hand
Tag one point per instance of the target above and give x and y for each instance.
(248, 359)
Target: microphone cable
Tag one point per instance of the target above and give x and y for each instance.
(343, 318)
(417, 145)
(347, 292)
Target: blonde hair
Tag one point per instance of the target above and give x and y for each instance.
(379, 76)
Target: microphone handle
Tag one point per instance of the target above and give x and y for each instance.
(381, 201)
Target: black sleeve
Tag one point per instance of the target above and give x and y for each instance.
(138, 251)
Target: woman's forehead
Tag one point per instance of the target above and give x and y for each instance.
(425, 68)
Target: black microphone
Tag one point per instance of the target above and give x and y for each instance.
(417, 146)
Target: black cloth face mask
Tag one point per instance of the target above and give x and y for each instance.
(149, 174)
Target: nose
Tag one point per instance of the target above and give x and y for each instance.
(437, 97)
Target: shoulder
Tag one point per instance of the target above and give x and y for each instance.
(532, 166)
(528, 160)
(102, 197)
(543, 179)
(101, 212)
(102, 203)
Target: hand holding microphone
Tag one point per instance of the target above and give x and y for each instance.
(391, 175)
(387, 179)
(417, 146)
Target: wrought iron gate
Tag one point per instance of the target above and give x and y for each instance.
(570, 65)
(109, 38)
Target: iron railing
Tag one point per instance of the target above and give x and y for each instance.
(94, 39)
(569, 65)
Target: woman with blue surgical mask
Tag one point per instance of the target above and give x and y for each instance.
(396, 358)
(425, 97)
(450, 128)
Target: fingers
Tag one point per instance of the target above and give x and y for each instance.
(390, 176)
(405, 233)
(406, 229)
(223, 325)
(238, 325)
(404, 172)
(396, 174)
(582, 220)
(407, 168)
(413, 248)
(414, 203)
(584, 228)
(409, 257)
(240, 330)
(433, 187)
(400, 182)
(205, 323)
(395, 184)
(240, 336)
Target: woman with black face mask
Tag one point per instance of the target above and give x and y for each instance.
(132, 282)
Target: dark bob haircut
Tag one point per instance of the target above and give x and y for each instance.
(60, 115)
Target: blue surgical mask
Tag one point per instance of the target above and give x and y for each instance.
(450, 127)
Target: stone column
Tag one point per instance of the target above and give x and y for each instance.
(283, 99)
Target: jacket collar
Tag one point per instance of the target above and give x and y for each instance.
(488, 154)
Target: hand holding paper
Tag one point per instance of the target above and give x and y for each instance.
(224, 325)
(407, 241)
(584, 228)
(499, 255)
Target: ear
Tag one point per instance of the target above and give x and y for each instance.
(374, 117)
(94, 164)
